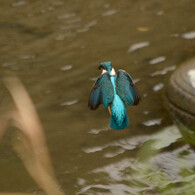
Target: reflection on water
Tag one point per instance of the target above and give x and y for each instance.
(137, 46)
(189, 35)
(158, 87)
(69, 103)
(97, 131)
(157, 60)
(109, 13)
(154, 175)
(152, 122)
(55, 48)
(164, 71)
(191, 74)
(67, 67)
(127, 144)
(19, 3)
(66, 16)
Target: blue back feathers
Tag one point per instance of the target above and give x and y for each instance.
(126, 89)
(119, 119)
(102, 92)
(114, 91)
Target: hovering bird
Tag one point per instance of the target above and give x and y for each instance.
(114, 90)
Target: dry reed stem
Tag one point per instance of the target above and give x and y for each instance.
(31, 147)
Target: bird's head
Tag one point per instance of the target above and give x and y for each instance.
(105, 66)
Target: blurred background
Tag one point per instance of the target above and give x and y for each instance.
(54, 47)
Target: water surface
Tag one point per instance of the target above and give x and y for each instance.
(54, 47)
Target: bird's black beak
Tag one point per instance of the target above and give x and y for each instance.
(99, 68)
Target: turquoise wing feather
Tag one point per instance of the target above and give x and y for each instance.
(102, 92)
(126, 89)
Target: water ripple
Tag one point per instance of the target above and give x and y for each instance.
(58, 3)
(94, 149)
(109, 13)
(126, 144)
(160, 13)
(80, 181)
(87, 26)
(65, 68)
(130, 143)
(66, 16)
(114, 153)
(158, 87)
(92, 23)
(172, 162)
(114, 189)
(157, 60)
(8, 64)
(137, 46)
(73, 20)
(19, 3)
(114, 170)
(164, 71)
(70, 26)
(136, 80)
(189, 35)
(81, 30)
(27, 57)
(50, 8)
(69, 103)
(156, 121)
(146, 112)
(61, 37)
(142, 174)
(97, 131)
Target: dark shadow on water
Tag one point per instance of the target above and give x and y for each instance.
(38, 33)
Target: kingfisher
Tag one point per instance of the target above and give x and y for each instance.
(114, 91)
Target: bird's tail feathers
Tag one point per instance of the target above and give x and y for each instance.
(115, 125)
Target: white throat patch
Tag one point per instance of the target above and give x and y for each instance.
(112, 72)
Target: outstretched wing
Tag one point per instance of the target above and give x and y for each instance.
(126, 89)
(102, 92)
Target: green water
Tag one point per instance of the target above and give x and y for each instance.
(54, 47)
